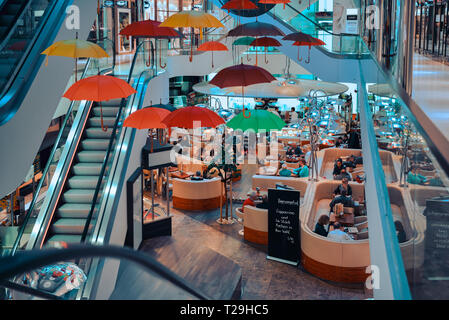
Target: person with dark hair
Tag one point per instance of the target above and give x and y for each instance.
(320, 225)
(339, 142)
(343, 175)
(298, 150)
(264, 204)
(303, 170)
(342, 198)
(338, 233)
(415, 178)
(343, 186)
(402, 237)
(337, 167)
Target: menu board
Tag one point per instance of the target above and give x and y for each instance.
(283, 226)
(437, 238)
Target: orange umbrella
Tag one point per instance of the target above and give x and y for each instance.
(192, 19)
(212, 46)
(99, 88)
(147, 118)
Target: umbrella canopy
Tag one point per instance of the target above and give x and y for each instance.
(299, 36)
(239, 5)
(147, 118)
(244, 41)
(241, 75)
(168, 107)
(99, 88)
(265, 42)
(259, 120)
(150, 29)
(212, 46)
(312, 42)
(255, 29)
(75, 49)
(192, 19)
(185, 118)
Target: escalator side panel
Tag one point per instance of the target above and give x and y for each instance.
(22, 135)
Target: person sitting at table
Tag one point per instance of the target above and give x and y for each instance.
(342, 198)
(343, 186)
(197, 177)
(298, 151)
(343, 174)
(264, 204)
(415, 178)
(355, 159)
(338, 167)
(285, 172)
(303, 170)
(345, 139)
(339, 142)
(250, 201)
(338, 233)
(290, 151)
(320, 225)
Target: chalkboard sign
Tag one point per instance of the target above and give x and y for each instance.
(437, 238)
(283, 226)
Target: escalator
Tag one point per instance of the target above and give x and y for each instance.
(29, 88)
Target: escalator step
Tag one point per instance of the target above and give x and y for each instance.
(107, 111)
(6, 20)
(74, 210)
(98, 133)
(79, 196)
(68, 238)
(12, 8)
(91, 156)
(69, 226)
(107, 121)
(83, 182)
(95, 144)
(111, 103)
(87, 169)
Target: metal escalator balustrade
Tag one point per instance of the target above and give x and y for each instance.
(27, 27)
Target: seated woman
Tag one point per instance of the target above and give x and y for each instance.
(285, 172)
(415, 178)
(303, 170)
(338, 167)
(343, 175)
(343, 186)
(320, 225)
(250, 201)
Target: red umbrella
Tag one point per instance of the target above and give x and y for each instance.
(313, 42)
(275, 2)
(150, 29)
(239, 5)
(265, 42)
(212, 46)
(241, 75)
(99, 88)
(147, 118)
(185, 118)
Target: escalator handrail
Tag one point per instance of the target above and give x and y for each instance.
(26, 261)
(13, 29)
(17, 80)
(47, 168)
(109, 150)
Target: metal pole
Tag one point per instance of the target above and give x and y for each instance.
(152, 193)
(168, 191)
(11, 207)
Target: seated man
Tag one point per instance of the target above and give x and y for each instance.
(298, 150)
(342, 198)
(198, 176)
(264, 203)
(343, 174)
(415, 178)
(356, 159)
(250, 201)
(303, 170)
(343, 186)
(338, 167)
(338, 233)
(285, 172)
(339, 143)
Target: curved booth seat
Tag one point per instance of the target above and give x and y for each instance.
(255, 225)
(328, 157)
(269, 182)
(338, 261)
(189, 165)
(197, 195)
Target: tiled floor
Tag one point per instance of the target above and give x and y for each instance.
(262, 278)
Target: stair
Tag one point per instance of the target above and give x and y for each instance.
(76, 201)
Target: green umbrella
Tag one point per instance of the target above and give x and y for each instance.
(258, 120)
(245, 41)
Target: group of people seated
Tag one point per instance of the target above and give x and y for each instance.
(253, 198)
(342, 168)
(342, 194)
(302, 171)
(413, 177)
(335, 230)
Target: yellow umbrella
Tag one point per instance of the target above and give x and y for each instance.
(75, 49)
(192, 19)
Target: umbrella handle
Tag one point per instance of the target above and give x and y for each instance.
(308, 58)
(160, 58)
(249, 113)
(103, 127)
(266, 61)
